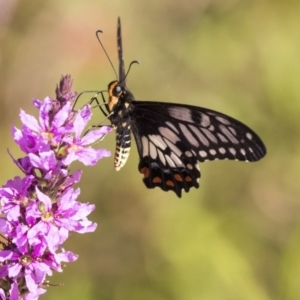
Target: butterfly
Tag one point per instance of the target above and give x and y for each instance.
(172, 138)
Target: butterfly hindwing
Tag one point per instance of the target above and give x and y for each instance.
(167, 176)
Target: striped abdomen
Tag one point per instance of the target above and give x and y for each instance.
(123, 143)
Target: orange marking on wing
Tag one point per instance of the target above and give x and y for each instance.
(170, 183)
(145, 172)
(178, 177)
(157, 180)
(188, 179)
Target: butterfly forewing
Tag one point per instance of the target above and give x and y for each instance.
(172, 138)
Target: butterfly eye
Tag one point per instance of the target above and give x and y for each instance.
(117, 91)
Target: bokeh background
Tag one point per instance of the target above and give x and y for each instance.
(238, 236)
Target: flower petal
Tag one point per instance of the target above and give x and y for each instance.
(95, 135)
(29, 121)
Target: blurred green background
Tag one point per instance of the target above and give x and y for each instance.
(238, 236)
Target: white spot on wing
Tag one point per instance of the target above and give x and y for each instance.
(189, 136)
(205, 120)
(168, 134)
(222, 150)
(189, 166)
(212, 151)
(176, 160)
(158, 141)
(232, 151)
(145, 143)
(170, 162)
(161, 157)
(228, 134)
(248, 135)
(210, 135)
(222, 120)
(174, 148)
(232, 130)
(172, 126)
(202, 153)
(243, 151)
(153, 152)
(188, 153)
(181, 113)
(222, 138)
(200, 135)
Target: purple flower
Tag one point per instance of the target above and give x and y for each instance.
(41, 209)
(14, 195)
(78, 146)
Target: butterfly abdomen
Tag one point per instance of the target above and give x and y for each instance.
(123, 143)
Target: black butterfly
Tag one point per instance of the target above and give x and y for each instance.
(171, 138)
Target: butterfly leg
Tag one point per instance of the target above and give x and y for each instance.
(86, 92)
(95, 99)
(92, 127)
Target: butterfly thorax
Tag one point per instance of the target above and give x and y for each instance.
(119, 106)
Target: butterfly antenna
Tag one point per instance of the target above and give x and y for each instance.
(98, 38)
(132, 63)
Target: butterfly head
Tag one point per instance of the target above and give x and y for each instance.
(114, 92)
(119, 96)
(114, 89)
